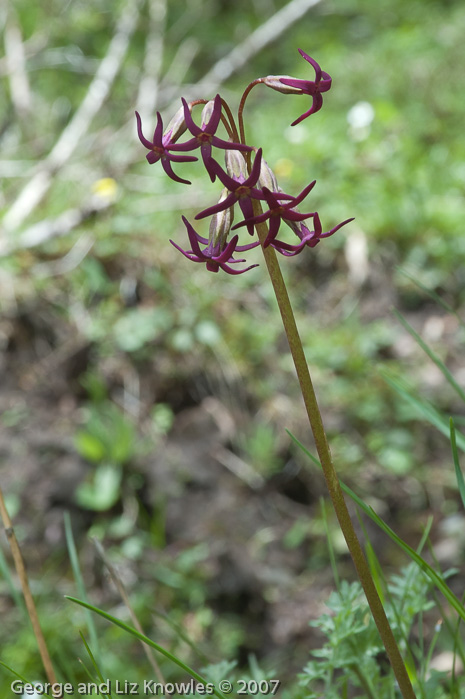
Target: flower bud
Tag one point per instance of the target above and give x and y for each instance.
(207, 113)
(176, 127)
(274, 81)
(220, 224)
(267, 177)
(235, 165)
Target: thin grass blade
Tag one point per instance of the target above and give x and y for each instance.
(432, 355)
(424, 408)
(146, 640)
(73, 557)
(458, 471)
(436, 577)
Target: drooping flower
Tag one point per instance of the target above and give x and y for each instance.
(322, 83)
(241, 187)
(278, 211)
(159, 148)
(204, 135)
(217, 255)
(307, 237)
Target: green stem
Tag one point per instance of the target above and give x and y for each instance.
(331, 478)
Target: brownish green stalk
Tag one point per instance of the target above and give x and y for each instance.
(30, 605)
(329, 471)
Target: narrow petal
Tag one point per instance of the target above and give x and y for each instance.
(220, 143)
(158, 133)
(190, 123)
(230, 270)
(145, 142)
(182, 158)
(190, 256)
(215, 117)
(194, 239)
(273, 231)
(169, 171)
(221, 206)
(313, 63)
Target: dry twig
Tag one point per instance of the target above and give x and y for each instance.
(30, 605)
(34, 191)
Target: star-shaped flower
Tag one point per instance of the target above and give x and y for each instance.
(159, 148)
(204, 136)
(307, 237)
(278, 211)
(216, 255)
(242, 189)
(322, 83)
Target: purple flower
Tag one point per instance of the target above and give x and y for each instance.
(242, 190)
(204, 136)
(217, 254)
(278, 211)
(307, 237)
(160, 146)
(322, 83)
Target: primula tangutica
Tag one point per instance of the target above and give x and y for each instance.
(250, 190)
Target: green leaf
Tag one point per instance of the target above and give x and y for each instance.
(447, 374)
(140, 326)
(436, 577)
(103, 491)
(89, 447)
(423, 408)
(458, 472)
(146, 640)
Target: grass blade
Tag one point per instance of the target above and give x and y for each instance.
(92, 660)
(445, 371)
(458, 472)
(20, 677)
(146, 640)
(432, 294)
(424, 408)
(436, 577)
(73, 557)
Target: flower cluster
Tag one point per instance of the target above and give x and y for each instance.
(250, 185)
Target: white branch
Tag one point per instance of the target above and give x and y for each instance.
(34, 191)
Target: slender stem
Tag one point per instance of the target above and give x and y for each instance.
(231, 127)
(22, 574)
(331, 478)
(242, 105)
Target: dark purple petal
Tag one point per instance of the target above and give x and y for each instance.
(316, 106)
(158, 133)
(145, 142)
(336, 228)
(193, 237)
(181, 158)
(215, 117)
(272, 231)
(220, 143)
(221, 206)
(295, 216)
(153, 157)
(190, 123)
(313, 63)
(189, 254)
(169, 171)
(229, 270)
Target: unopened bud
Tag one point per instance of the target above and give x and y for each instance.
(274, 81)
(267, 177)
(235, 165)
(176, 127)
(207, 113)
(220, 224)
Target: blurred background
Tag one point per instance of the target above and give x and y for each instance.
(149, 398)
